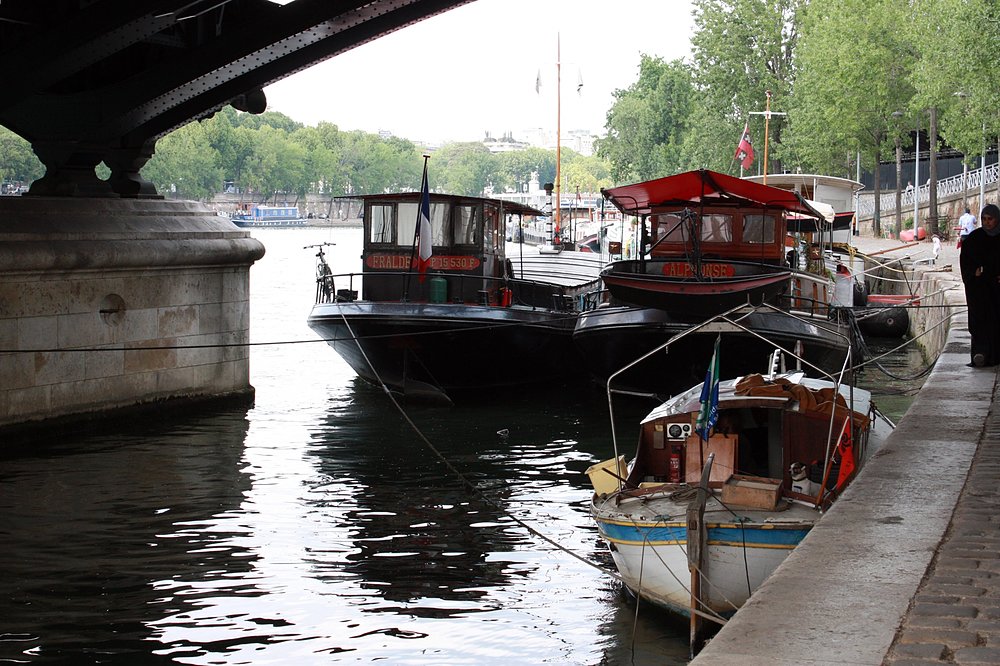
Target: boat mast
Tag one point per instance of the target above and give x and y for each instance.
(767, 113)
(558, 138)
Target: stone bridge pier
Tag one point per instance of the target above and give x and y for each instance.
(111, 296)
(108, 303)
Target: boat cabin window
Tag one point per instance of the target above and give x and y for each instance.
(491, 220)
(396, 224)
(380, 223)
(758, 229)
(406, 223)
(669, 225)
(716, 228)
(465, 225)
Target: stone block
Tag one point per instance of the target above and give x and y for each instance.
(17, 371)
(104, 364)
(82, 330)
(37, 332)
(177, 321)
(146, 355)
(55, 367)
(9, 338)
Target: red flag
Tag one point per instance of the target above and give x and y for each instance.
(744, 150)
(846, 450)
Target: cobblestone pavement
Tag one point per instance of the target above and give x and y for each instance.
(955, 616)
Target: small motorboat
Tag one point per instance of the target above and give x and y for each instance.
(728, 477)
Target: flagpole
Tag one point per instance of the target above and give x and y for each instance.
(416, 233)
(767, 113)
(558, 136)
(767, 130)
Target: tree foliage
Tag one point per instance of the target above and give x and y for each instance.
(18, 163)
(648, 121)
(742, 49)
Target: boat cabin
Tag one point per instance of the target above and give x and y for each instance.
(723, 231)
(764, 426)
(467, 263)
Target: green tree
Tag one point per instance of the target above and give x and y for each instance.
(461, 168)
(957, 70)
(741, 50)
(17, 161)
(855, 61)
(233, 143)
(272, 119)
(280, 166)
(185, 164)
(647, 123)
(512, 171)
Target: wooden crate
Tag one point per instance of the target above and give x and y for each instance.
(754, 492)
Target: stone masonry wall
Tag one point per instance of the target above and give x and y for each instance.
(114, 303)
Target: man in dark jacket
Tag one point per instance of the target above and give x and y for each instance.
(980, 263)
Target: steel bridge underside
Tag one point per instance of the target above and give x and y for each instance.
(91, 81)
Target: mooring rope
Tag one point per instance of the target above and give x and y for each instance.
(465, 481)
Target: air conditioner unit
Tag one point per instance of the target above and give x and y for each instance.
(678, 431)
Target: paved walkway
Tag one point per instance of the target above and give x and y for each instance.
(905, 569)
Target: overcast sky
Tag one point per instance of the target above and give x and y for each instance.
(473, 69)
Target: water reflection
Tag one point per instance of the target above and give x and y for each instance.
(90, 524)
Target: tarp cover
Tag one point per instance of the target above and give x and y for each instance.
(703, 186)
(841, 221)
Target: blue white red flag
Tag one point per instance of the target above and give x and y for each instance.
(424, 248)
(709, 413)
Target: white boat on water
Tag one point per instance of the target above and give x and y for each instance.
(269, 216)
(696, 523)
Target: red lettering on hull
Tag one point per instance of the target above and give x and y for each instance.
(709, 270)
(398, 262)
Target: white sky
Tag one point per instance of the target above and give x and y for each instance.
(472, 70)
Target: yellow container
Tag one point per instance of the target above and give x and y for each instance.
(602, 475)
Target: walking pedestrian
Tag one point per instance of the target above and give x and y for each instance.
(966, 225)
(980, 265)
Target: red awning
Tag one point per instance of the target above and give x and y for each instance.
(702, 187)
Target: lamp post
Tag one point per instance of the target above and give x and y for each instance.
(916, 181)
(982, 162)
(899, 176)
(982, 172)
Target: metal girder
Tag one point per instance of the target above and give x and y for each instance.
(102, 80)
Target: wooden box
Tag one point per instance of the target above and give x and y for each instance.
(724, 448)
(753, 492)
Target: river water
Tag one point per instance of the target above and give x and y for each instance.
(320, 525)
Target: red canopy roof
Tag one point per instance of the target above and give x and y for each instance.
(702, 186)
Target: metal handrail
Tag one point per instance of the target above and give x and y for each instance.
(591, 297)
(972, 180)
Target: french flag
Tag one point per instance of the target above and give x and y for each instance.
(424, 249)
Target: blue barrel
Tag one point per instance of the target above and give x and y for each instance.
(439, 290)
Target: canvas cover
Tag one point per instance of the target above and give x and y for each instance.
(693, 188)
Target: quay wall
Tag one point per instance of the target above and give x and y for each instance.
(843, 594)
(108, 303)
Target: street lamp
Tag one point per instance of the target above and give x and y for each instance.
(916, 181)
(982, 172)
(982, 160)
(899, 176)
